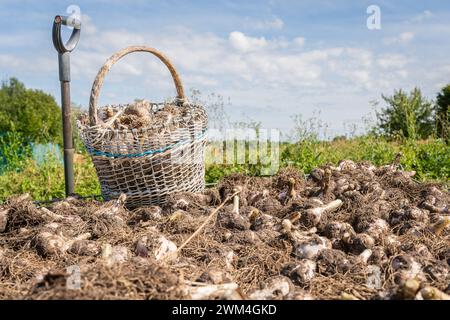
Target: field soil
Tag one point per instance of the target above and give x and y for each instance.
(354, 231)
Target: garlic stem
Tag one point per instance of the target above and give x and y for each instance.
(292, 192)
(236, 204)
(329, 207)
(348, 296)
(430, 293)
(441, 225)
(365, 255)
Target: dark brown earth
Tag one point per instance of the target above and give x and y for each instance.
(354, 231)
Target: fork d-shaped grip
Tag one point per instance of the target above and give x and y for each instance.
(64, 49)
(56, 35)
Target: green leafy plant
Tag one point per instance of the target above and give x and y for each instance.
(14, 151)
(33, 113)
(430, 158)
(406, 115)
(443, 113)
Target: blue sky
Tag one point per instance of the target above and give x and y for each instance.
(272, 59)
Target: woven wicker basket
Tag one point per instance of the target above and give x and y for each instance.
(147, 164)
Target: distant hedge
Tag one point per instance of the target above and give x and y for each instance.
(33, 113)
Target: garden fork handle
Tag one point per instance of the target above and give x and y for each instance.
(64, 50)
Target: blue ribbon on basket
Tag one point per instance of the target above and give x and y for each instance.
(95, 152)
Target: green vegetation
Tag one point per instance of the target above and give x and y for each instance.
(407, 116)
(33, 113)
(46, 181)
(14, 151)
(443, 113)
(429, 158)
(408, 124)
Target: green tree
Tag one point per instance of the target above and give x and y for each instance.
(406, 115)
(33, 113)
(443, 113)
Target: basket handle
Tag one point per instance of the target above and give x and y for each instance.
(98, 82)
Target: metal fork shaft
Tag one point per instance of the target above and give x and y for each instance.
(67, 137)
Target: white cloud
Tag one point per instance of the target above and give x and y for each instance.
(202, 80)
(88, 26)
(261, 72)
(363, 57)
(24, 63)
(403, 39)
(361, 76)
(389, 61)
(299, 41)
(275, 23)
(406, 37)
(206, 60)
(403, 73)
(15, 40)
(427, 14)
(243, 43)
(9, 61)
